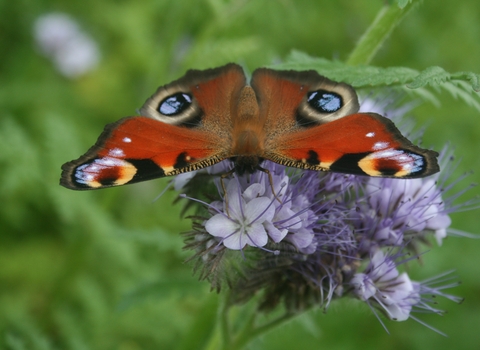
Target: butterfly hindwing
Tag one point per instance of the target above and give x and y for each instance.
(361, 144)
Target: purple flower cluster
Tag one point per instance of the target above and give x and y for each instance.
(60, 38)
(258, 213)
(304, 238)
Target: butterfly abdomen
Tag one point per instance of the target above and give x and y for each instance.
(248, 149)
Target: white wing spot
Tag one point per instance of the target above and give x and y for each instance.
(116, 152)
(127, 139)
(370, 134)
(386, 153)
(380, 145)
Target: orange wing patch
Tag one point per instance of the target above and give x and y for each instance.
(363, 144)
(138, 149)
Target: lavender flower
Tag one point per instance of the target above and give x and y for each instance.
(281, 210)
(249, 216)
(59, 38)
(309, 237)
(382, 284)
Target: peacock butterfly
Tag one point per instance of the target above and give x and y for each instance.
(295, 118)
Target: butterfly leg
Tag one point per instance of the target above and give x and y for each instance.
(270, 180)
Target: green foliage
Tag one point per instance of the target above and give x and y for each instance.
(402, 3)
(459, 85)
(104, 270)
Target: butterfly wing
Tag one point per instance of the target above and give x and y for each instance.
(185, 125)
(137, 149)
(361, 144)
(318, 127)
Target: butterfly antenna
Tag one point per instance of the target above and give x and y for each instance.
(270, 179)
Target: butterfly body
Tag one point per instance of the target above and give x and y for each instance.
(298, 119)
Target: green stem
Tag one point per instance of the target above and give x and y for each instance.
(223, 322)
(220, 336)
(249, 333)
(245, 334)
(387, 19)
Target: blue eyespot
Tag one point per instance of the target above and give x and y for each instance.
(175, 104)
(325, 101)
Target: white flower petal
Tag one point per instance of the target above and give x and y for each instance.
(302, 238)
(220, 226)
(364, 287)
(236, 203)
(257, 236)
(275, 234)
(441, 221)
(383, 269)
(440, 235)
(398, 312)
(253, 191)
(288, 218)
(235, 241)
(259, 210)
(181, 180)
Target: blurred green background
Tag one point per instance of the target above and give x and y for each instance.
(104, 270)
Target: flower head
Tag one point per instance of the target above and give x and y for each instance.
(383, 285)
(59, 38)
(307, 238)
(246, 219)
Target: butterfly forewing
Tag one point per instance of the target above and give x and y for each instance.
(186, 126)
(138, 149)
(290, 100)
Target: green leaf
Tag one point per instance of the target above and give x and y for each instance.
(458, 84)
(424, 94)
(473, 78)
(402, 3)
(432, 75)
(357, 76)
(459, 90)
